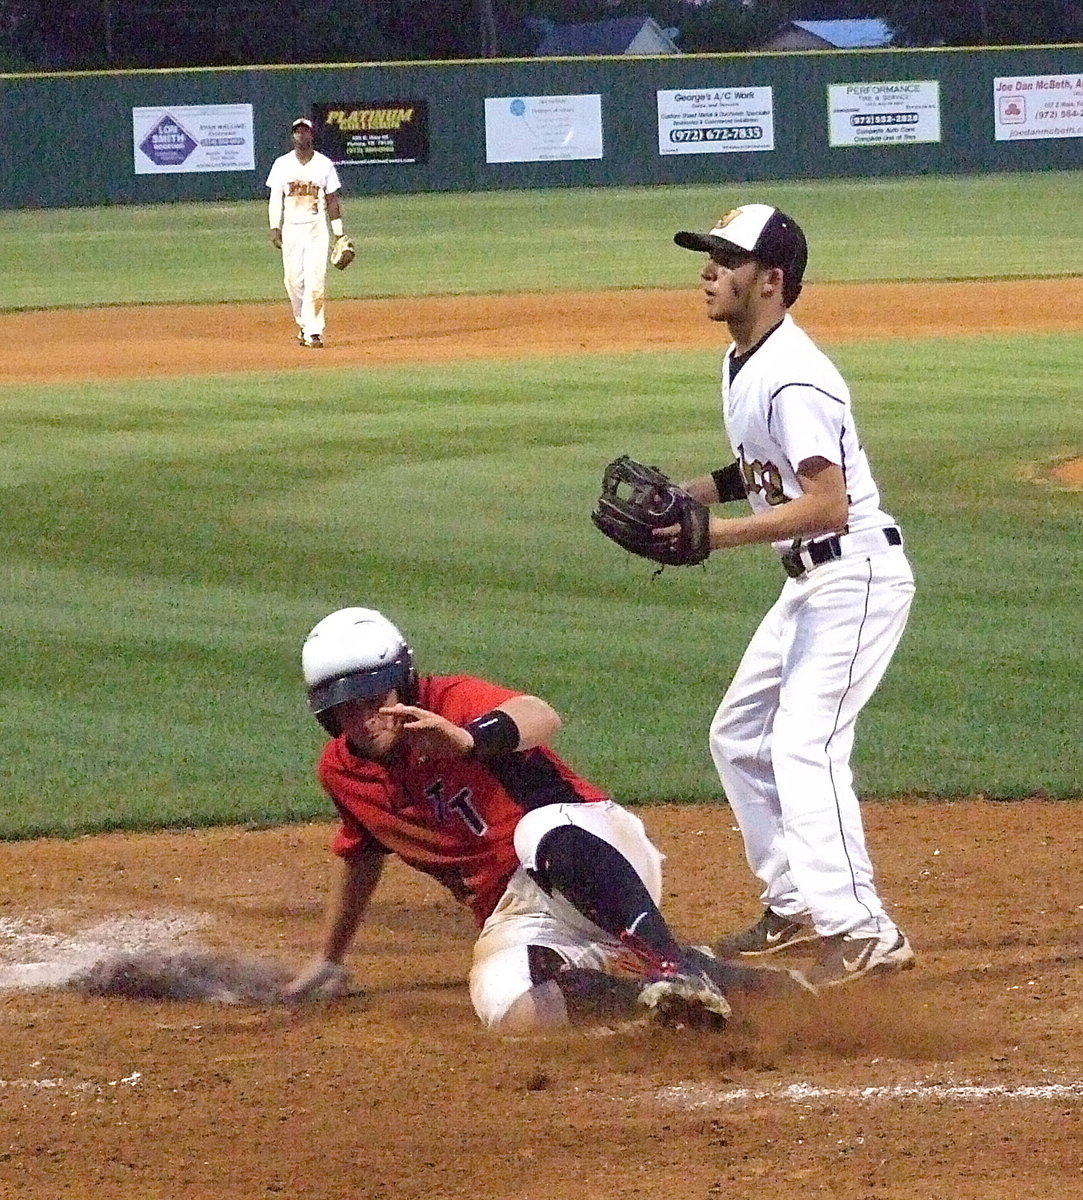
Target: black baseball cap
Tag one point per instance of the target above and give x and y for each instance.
(768, 235)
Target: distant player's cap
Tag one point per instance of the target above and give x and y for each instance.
(302, 121)
(768, 235)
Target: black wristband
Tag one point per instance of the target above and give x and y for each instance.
(729, 483)
(494, 733)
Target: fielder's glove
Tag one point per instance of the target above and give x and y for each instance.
(343, 252)
(636, 500)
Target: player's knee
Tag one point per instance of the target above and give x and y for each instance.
(535, 1011)
(729, 741)
(802, 739)
(575, 997)
(508, 988)
(533, 827)
(564, 854)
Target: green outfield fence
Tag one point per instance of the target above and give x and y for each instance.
(70, 139)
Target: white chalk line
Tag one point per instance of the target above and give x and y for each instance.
(697, 1095)
(69, 1087)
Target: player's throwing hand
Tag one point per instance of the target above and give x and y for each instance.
(430, 734)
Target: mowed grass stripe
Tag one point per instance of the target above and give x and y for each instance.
(929, 227)
(171, 543)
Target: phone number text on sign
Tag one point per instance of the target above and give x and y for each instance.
(715, 120)
(731, 133)
(893, 113)
(872, 120)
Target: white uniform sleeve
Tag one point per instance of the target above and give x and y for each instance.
(807, 422)
(333, 181)
(274, 201)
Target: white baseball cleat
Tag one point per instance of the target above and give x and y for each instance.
(844, 958)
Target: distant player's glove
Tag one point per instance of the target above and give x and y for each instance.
(343, 252)
(636, 500)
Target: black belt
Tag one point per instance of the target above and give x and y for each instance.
(800, 559)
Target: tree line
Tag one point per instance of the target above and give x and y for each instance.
(113, 34)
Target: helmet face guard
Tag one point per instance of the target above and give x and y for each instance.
(399, 674)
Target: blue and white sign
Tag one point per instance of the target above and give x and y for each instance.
(542, 128)
(193, 137)
(168, 143)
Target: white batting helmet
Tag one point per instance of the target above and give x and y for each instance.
(355, 654)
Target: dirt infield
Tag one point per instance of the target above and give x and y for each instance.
(154, 340)
(962, 1079)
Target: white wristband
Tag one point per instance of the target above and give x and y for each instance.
(336, 227)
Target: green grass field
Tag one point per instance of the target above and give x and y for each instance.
(928, 228)
(171, 542)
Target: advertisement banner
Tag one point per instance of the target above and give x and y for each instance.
(542, 128)
(903, 112)
(716, 120)
(365, 132)
(193, 137)
(1037, 106)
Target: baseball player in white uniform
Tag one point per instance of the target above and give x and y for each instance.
(304, 187)
(783, 734)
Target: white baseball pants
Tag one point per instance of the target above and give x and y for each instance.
(782, 737)
(304, 267)
(526, 916)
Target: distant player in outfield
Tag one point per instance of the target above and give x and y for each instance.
(304, 193)
(455, 775)
(783, 734)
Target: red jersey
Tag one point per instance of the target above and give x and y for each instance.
(452, 818)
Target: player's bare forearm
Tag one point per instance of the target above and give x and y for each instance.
(325, 976)
(822, 508)
(702, 488)
(360, 875)
(804, 517)
(436, 737)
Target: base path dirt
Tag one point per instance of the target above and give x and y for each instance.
(154, 340)
(1069, 474)
(962, 1078)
